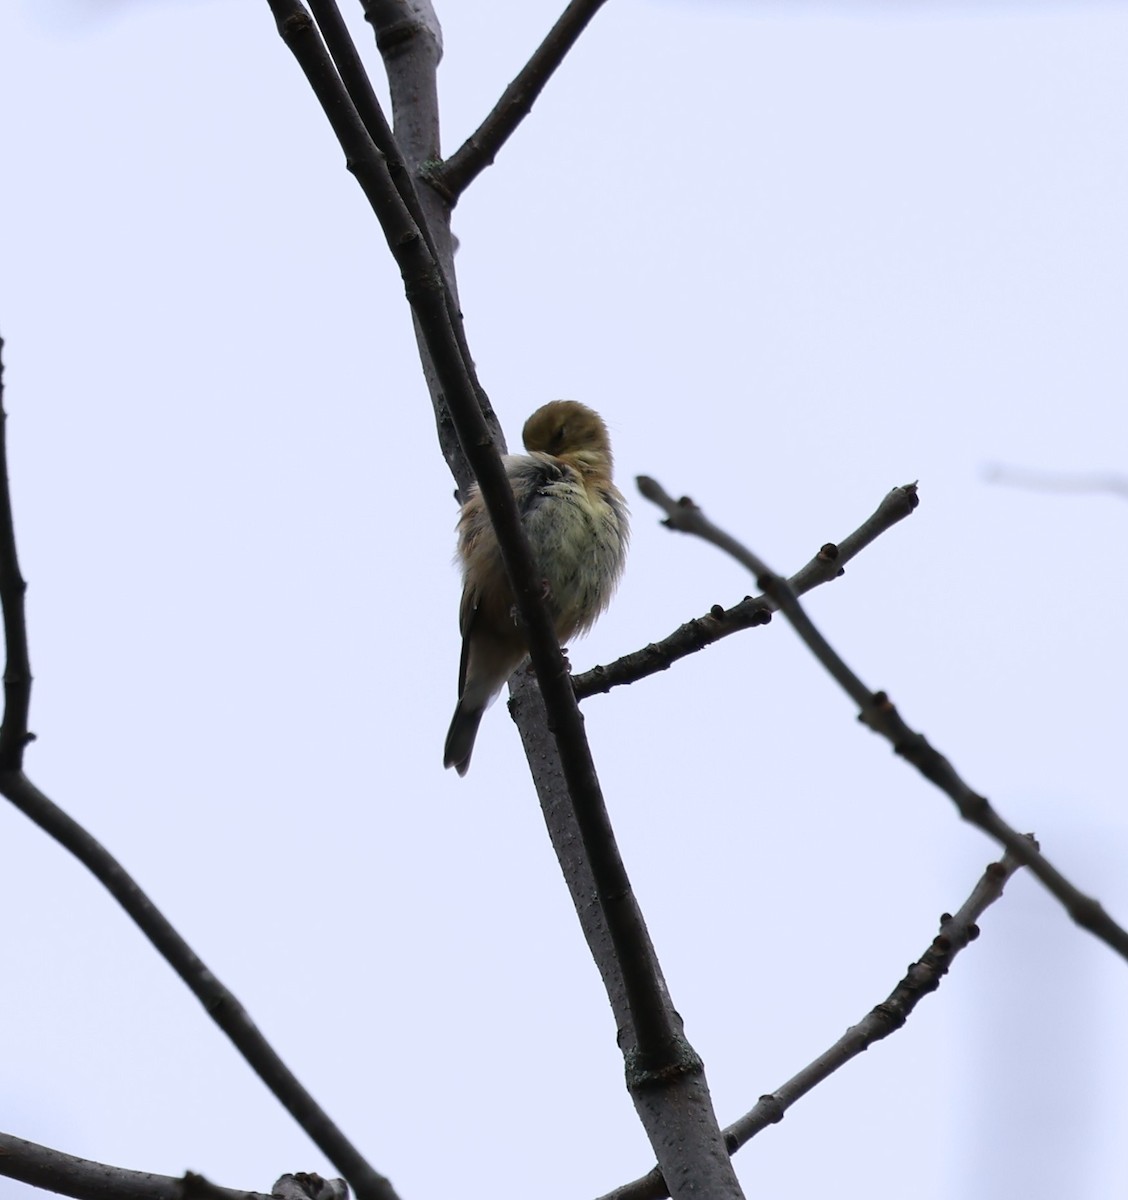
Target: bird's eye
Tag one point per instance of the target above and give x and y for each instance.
(558, 439)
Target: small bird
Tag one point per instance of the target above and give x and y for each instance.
(576, 521)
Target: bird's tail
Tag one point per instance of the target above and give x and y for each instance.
(460, 737)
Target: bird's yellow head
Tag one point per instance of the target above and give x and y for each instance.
(568, 429)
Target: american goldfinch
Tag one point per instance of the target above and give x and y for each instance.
(576, 522)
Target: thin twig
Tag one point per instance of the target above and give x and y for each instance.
(879, 713)
(829, 563)
(220, 1003)
(922, 978)
(453, 176)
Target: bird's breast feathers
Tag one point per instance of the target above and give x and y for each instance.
(576, 524)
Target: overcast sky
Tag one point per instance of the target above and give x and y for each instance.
(795, 258)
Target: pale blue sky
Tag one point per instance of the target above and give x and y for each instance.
(794, 258)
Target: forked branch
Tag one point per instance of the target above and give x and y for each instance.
(427, 292)
(220, 1004)
(659, 1058)
(453, 176)
(879, 713)
(923, 977)
(829, 563)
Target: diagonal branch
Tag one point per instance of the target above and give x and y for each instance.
(923, 977)
(879, 713)
(220, 1004)
(350, 67)
(432, 227)
(660, 1059)
(455, 175)
(68, 1175)
(410, 42)
(829, 563)
(426, 292)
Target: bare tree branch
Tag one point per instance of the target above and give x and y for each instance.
(879, 713)
(675, 1108)
(660, 1057)
(14, 734)
(410, 42)
(350, 67)
(829, 563)
(923, 977)
(220, 1004)
(453, 176)
(433, 225)
(426, 292)
(67, 1175)
(1057, 481)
